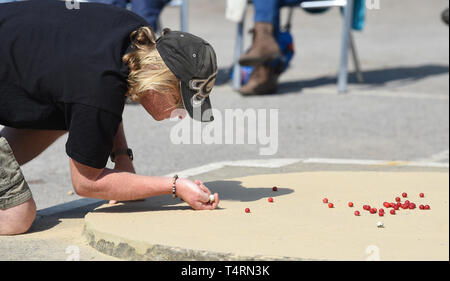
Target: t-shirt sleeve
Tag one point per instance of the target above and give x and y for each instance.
(91, 134)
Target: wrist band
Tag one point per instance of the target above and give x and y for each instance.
(127, 152)
(174, 189)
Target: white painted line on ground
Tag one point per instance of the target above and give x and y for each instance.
(424, 164)
(198, 170)
(427, 164)
(438, 157)
(259, 163)
(341, 161)
(263, 163)
(277, 163)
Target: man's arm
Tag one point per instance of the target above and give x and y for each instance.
(111, 184)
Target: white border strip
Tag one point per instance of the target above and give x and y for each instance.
(278, 163)
(260, 163)
(443, 155)
(424, 164)
(271, 163)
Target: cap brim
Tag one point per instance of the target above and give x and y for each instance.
(201, 113)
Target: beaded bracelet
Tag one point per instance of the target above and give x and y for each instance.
(174, 190)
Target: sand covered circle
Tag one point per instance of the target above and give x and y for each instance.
(296, 224)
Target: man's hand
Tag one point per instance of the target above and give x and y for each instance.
(196, 194)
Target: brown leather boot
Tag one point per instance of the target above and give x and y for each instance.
(265, 48)
(263, 81)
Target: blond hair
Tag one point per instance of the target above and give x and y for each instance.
(147, 69)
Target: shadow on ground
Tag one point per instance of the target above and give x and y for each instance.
(227, 190)
(372, 78)
(43, 223)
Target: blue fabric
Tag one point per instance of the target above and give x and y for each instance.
(148, 9)
(286, 42)
(359, 15)
(269, 11)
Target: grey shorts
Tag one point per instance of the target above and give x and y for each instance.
(14, 190)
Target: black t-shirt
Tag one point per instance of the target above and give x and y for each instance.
(61, 69)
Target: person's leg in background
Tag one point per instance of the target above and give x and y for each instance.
(149, 10)
(265, 47)
(266, 30)
(276, 19)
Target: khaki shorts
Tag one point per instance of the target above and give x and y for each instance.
(14, 190)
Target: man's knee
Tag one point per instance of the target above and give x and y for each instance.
(18, 219)
(17, 207)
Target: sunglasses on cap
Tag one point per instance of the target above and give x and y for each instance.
(203, 88)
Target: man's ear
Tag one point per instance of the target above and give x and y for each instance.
(166, 31)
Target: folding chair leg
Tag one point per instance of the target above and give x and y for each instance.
(359, 75)
(184, 15)
(343, 68)
(238, 50)
(158, 27)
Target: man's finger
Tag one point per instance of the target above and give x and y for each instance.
(202, 186)
(205, 189)
(216, 200)
(205, 197)
(213, 205)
